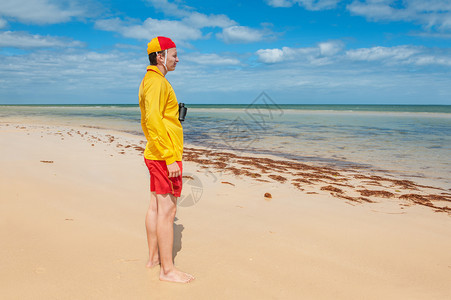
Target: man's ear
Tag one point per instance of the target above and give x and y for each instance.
(160, 56)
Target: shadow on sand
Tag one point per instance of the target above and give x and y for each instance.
(178, 228)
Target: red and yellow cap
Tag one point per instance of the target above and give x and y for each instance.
(159, 43)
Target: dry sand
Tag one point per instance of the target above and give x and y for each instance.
(73, 202)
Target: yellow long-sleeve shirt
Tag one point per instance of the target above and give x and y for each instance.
(160, 118)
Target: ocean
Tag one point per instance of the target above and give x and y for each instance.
(411, 141)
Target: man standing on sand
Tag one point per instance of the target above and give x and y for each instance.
(163, 155)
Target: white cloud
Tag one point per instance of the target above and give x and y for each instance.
(115, 24)
(211, 59)
(24, 40)
(42, 11)
(330, 48)
(382, 53)
(307, 4)
(402, 55)
(186, 29)
(82, 76)
(190, 16)
(294, 83)
(240, 34)
(430, 14)
(280, 3)
(429, 34)
(333, 53)
(71, 76)
(424, 60)
(190, 25)
(169, 9)
(270, 55)
(199, 20)
(177, 30)
(313, 55)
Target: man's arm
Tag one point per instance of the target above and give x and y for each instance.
(174, 170)
(142, 107)
(155, 103)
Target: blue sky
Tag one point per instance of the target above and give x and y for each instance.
(297, 51)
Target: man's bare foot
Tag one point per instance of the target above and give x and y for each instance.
(151, 264)
(176, 276)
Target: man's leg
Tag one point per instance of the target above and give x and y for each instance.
(167, 206)
(151, 229)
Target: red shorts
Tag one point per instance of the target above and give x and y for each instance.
(159, 180)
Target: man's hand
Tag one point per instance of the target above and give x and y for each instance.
(174, 170)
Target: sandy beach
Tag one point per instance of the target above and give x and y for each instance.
(73, 201)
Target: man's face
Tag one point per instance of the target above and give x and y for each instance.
(172, 59)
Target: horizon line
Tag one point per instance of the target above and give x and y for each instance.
(244, 104)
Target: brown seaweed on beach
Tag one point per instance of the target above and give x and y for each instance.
(425, 198)
(219, 164)
(138, 148)
(331, 189)
(354, 199)
(110, 138)
(93, 127)
(372, 182)
(383, 194)
(373, 177)
(345, 185)
(234, 170)
(405, 184)
(439, 198)
(47, 161)
(251, 174)
(297, 185)
(318, 175)
(339, 193)
(427, 201)
(278, 178)
(262, 168)
(308, 174)
(302, 180)
(416, 199)
(262, 180)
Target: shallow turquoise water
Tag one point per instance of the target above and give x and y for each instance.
(409, 140)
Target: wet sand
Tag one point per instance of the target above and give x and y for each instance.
(248, 226)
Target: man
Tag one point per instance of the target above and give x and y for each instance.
(163, 155)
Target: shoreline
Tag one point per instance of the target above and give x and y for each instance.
(333, 160)
(383, 143)
(286, 108)
(74, 199)
(362, 184)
